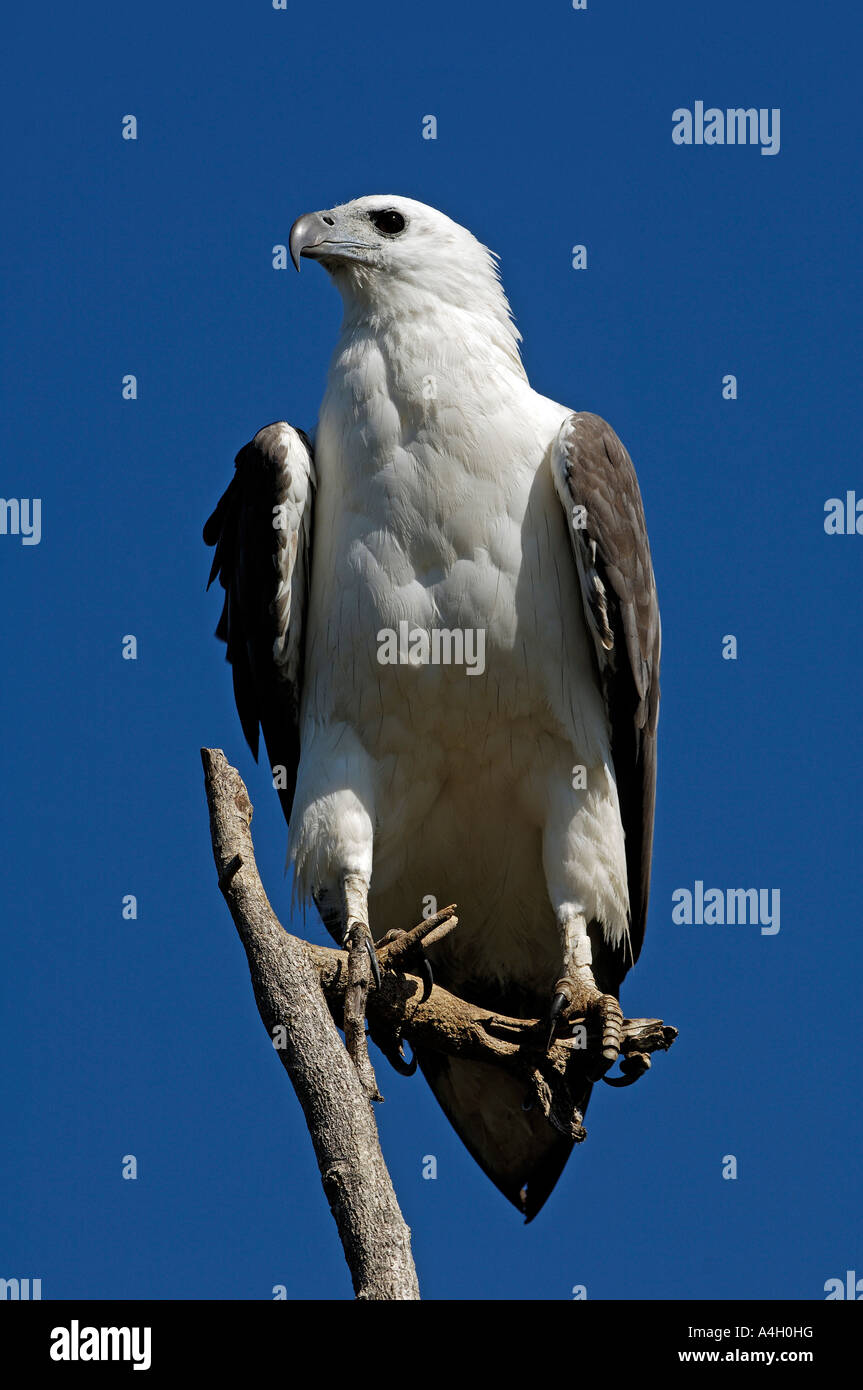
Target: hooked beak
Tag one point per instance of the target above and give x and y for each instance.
(316, 235)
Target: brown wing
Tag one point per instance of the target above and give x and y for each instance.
(261, 530)
(596, 483)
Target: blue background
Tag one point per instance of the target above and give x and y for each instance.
(154, 257)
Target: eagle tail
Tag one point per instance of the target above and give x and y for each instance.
(517, 1148)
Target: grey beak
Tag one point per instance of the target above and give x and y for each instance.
(308, 231)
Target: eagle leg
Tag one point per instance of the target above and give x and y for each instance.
(576, 993)
(362, 964)
(356, 933)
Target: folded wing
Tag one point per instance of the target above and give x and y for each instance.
(596, 482)
(261, 529)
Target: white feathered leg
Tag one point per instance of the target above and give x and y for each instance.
(585, 869)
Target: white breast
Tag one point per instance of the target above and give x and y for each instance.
(436, 518)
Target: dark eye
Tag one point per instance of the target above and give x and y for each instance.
(388, 221)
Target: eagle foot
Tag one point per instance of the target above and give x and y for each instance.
(580, 996)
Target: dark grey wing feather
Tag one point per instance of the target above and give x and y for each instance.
(596, 483)
(261, 529)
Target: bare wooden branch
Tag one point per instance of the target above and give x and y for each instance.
(449, 1024)
(554, 1078)
(288, 994)
(405, 945)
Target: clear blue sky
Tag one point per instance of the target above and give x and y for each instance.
(154, 258)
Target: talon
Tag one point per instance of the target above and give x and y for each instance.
(373, 957)
(558, 1004)
(427, 977)
(631, 1069)
(396, 1058)
(619, 1080)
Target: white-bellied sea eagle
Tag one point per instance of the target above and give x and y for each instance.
(443, 617)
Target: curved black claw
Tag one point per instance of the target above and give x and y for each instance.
(373, 957)
(558, 1004)
(396, 1058)
(427, 977)
(631, 1069)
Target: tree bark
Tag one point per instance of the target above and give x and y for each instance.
(373, 1232)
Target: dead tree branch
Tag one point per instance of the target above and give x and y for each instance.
(555, 1078)
(355, 1179)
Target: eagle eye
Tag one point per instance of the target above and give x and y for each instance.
(388, 221)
